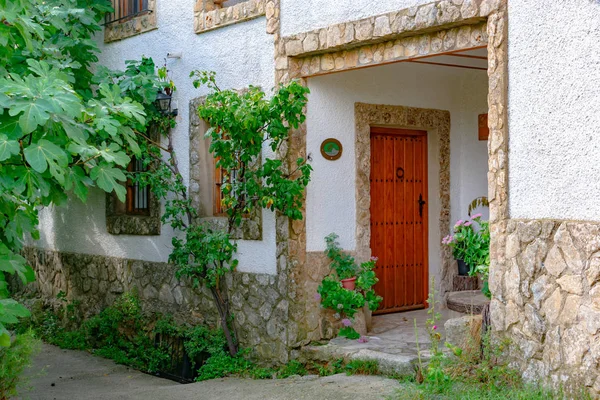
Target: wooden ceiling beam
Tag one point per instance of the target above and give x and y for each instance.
(447, 65)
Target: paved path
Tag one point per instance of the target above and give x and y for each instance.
(77, 375)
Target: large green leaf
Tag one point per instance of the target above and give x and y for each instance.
(33, 113)
(114, 154)
(108, 178)
(39, 155)
(8, 147)
(78, 181)
(10, 127)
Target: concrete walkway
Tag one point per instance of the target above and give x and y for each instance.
(77, 375)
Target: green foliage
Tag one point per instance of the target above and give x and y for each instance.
(241, 125)
(349, 333)
(125, 334)
(477, 372)
(434, 372)
(213, 253)
(346, 302)
(331, 368)
(344, 264)
(478, 202)
(362, 367)
(263, 373)
(477, 375)
(471, 243)
(63, 128)
(294, 367)
(13, 360)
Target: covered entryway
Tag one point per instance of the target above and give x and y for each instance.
(399, 217)
(412, 162)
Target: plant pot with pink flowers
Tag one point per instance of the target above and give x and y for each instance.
(470, 244)
(348, 288)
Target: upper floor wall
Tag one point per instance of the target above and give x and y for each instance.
(301, 16)
(554, 109)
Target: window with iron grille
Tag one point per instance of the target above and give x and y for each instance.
(124, 9)
(220, 179)
(138, 196)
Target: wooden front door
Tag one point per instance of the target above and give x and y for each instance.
(399, 217)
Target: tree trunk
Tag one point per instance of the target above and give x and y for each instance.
(224, 316)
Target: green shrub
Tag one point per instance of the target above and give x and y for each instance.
(293, 367)
(222, 364)
(13, 360)
(362, 367)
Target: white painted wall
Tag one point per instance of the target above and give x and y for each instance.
(331, 205)
(241, 54)
(305, 15)
(554, 109)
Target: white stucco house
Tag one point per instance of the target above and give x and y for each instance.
(403, 86)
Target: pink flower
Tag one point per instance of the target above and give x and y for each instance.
(459, 222)
(374, 259)
(478, 215)
(362, 339)
(434, 327)
(346, 322)
(317, 297)
(468, 223)
(448, 239)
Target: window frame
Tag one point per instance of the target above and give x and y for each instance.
(133, 189)
(121, 221)
(122, 13)
(131, 24)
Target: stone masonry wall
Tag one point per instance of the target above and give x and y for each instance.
(547, 301)
(259, 302)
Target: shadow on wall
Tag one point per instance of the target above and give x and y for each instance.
(81, 228)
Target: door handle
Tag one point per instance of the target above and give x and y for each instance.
(421, 204)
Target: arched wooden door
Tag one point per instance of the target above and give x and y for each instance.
(399, 217)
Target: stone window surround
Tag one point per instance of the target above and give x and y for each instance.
(437, 125)
(207, 20)
(143, 22)
(126, 224)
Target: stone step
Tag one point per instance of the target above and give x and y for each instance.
(467, 301)
(399, 363)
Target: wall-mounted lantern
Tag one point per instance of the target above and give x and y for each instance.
(163, 103)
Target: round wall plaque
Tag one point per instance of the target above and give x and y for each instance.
(331, 149)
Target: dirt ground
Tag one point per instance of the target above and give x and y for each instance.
(77, 375)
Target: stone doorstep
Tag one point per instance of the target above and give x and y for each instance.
(467, 301)
(401, 364)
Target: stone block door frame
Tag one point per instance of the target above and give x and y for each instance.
(406, 34)
(437, 125)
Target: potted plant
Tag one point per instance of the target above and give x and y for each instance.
(470, 244)
(349, 289)
(344, 264)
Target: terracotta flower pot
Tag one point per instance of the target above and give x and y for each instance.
(349, 283)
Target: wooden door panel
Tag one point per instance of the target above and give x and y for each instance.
(398, 228)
